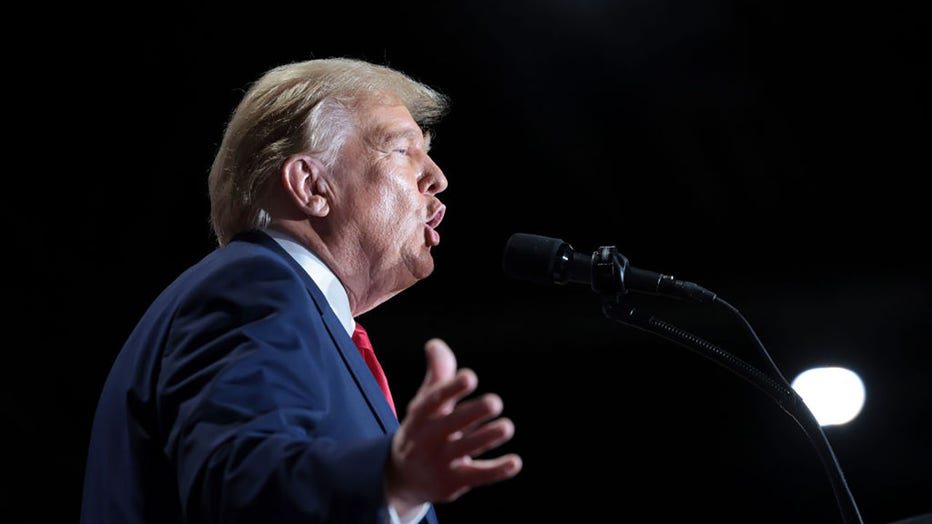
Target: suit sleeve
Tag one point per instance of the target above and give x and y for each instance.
(250, 406)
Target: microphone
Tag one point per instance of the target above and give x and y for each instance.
(545, 260)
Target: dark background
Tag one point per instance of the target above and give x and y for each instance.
(776, 153)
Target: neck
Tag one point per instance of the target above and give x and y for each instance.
(348, 265)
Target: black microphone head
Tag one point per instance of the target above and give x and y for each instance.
(535, 258)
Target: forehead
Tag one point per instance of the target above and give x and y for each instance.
(381, 122)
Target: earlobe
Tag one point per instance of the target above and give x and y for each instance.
(304, 180)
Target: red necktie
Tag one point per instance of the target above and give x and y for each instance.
(361, 338)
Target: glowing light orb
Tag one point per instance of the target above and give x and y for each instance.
(834, 395)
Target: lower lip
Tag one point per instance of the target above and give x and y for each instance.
(431, 236)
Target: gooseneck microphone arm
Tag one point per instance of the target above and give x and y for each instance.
(552, 261)
(775, 387)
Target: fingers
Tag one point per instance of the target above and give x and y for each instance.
(443, 385)
(485, 438)
(470, 414)
(441, 362)
(434, 452)
(487, 471)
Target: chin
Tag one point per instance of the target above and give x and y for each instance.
(423, 266)
(425, 271)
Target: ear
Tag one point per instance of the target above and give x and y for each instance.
(304, 179)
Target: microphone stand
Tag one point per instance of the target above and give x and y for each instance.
(777, 388)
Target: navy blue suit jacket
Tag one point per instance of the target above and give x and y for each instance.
(239, 397)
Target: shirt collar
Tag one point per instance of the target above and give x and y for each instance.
(328, 283)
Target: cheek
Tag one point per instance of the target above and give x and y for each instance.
(394, 212)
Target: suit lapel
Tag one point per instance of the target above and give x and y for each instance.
(361, 373)
(342, 342)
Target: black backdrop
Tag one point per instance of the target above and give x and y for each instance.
(774, 152)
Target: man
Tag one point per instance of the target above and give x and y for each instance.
(240, 395)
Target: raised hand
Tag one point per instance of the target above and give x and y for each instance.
(434, 452)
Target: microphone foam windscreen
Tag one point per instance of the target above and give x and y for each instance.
(531, 257)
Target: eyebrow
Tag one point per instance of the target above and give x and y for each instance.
(408, 133)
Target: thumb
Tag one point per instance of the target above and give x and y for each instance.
(441, 362)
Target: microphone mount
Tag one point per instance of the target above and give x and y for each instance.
(553, 261)
(609, 273)
(612, 274)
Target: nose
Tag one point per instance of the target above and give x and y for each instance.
(432, 179)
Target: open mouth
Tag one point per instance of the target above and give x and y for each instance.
(438, 216)
(431, 237)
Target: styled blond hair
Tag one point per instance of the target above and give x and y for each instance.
(302, 107)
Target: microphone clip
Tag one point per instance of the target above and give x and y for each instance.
(608, 271)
